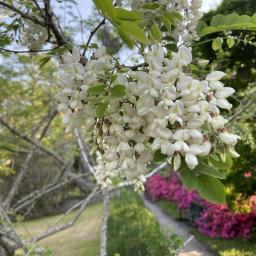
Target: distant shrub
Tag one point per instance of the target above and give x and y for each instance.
(215, 221)
(133, 231)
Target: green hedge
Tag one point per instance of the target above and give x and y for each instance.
(133, 231)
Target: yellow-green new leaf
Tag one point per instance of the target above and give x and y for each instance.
(217, 44)
(156, 32)
(123, 14)
(134, 31)
(230, 42)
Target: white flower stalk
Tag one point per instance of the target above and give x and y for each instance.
(160, 110)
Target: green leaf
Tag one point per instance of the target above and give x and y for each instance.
(204, 168)
(134, 31)
(156, 32)
(101, 109)
(244, 19)
(151, 6)
(217, 20)
(97, 89)
(173, 17)
(166, 23)
(125, 37)
(254, 18)
(232, 19)
(44, 61)
(220, 164)
(217, 43)
(188, 177)
(117, 91)
(200, 26)
(230, 42)
(211, 189)
(158, 156)
(106, 7)
(123, 14)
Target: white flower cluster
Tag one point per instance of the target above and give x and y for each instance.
(190, 9)
(164, 109)
(33, 36)
(185, 30)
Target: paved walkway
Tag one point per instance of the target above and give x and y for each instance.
(192, 247)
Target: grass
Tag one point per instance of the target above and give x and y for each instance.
(169, 208)
(234, 247)
(221, 247)
(80, 240)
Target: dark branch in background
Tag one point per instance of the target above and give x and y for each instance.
(25, 165)
(38, 7)
(35, 195)
(22, 14)
(28, 51)
(242, 109)
(92, 34)
(10, 231)
(62, 227)
(52, 25)
(33, 142)
(135, 67)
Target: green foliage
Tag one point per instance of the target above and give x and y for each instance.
(97, 90)
(217, 44)
(224, 247)
(204, 179)
(144, 26)
(229, 22)
(132, 230)
(101, 109)
(158, 156)
(210, 189)
(117, 91)
(189, 178)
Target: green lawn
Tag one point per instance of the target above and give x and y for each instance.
(80, 240)
(222, 247)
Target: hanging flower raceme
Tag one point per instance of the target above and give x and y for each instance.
(132, 116)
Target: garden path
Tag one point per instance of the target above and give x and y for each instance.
(192, 246)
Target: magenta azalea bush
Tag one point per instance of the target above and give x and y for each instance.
(216, 221)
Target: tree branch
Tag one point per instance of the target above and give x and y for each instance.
(54, 230)
(92, 34)
(52, 24)
(104, 225)
(29, 199)
(33, 142)
(83, 153)
(22, 14)
(28, 51)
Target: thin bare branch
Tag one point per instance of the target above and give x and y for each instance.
(84, 153)
(28, 51)
(22, 14)
(33, 142)
(54, 230)
(104, 224)
(52, 24)
(39, 193)
(9, 228)
(92, 33)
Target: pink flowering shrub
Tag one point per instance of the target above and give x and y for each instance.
(216, 221)
(170, 188)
